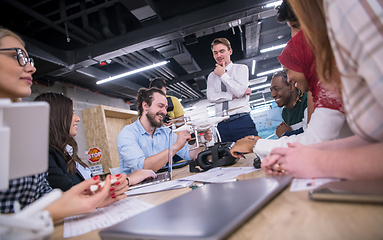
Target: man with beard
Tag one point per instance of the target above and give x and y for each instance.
(144, 143)
(227, 87)
(294, 102)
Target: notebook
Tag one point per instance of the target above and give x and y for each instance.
(209, 212)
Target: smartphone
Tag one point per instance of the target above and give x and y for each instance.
(349, 191)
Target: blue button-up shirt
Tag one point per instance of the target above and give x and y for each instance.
(134, 144)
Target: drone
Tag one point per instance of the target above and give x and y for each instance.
(199, 124)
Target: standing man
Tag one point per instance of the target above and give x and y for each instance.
(144, 143)
(227, 87)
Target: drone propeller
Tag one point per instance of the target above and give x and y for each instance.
(182, 118)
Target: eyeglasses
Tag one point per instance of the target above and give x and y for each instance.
(22, 56)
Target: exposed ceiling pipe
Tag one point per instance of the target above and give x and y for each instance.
(139, 64)
(63, 14)
(191, 89)
(148, 62)
(120, 20)
(87, 11)
(117, 60)
(134, 65)
(187, 90)
(85, 23)
(177, 91)
(153, 59)
(105, 24)
(43, 19)
(54, 12)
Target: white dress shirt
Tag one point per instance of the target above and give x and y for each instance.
(236, 80)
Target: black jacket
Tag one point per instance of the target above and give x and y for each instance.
(58, 176)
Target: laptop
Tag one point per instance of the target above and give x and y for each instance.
(209, 212)
(163, 176)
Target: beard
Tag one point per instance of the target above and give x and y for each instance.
(152, 119)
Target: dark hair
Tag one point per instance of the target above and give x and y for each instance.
(61, 113)
(283, 75)
(285, 13)
(158, 82)
(223, 41)
(146, 95)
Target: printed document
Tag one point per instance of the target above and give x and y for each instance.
(104, 217)
(218, 175)
(299, 184)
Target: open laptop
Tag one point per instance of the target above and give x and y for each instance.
(209, 212)
(163, 176)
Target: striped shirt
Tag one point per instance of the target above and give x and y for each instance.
(355, 29)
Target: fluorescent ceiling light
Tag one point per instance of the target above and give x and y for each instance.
(268, 72)
(261, 86)
(257, 80)
(132, 72)
(256, 100)
(273, 4)
(253, 67)
(272, 48)
(263, 103)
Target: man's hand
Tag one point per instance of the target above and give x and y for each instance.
(139, 175)
(219, 70)
(243, 146)
(282, 128)
(169, 123)
(182, 138)
(247, 92)
(208, 135)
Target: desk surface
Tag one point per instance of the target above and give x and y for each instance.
(291, 215)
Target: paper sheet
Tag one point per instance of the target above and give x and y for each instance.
(217, 175)
(308, 184)
(104, 217)
(174, 184)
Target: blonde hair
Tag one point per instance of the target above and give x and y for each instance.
(223, 41)
(311, 16)
(7, 33)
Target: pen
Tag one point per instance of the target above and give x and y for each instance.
(101, 184)
(243, 155)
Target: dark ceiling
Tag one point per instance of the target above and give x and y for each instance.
(69, 39)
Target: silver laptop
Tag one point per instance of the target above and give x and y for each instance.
(161, 177)
(209, 212)
(24, 150)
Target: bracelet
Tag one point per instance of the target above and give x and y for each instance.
(127, 179)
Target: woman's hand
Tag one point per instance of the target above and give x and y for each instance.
(139, 175)
(117, 190)
(297, 160)
(79, 199)
(243, 146)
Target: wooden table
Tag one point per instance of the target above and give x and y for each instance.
(291, 215)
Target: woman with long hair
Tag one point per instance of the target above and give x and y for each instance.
(16, 69)
(347, 40)
(66, 169)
